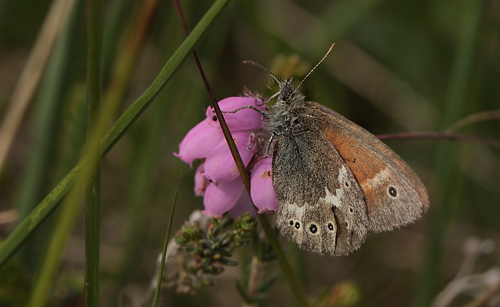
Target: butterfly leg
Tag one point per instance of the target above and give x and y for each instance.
(265, 114)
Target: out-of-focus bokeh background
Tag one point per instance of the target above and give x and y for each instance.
(398, 66)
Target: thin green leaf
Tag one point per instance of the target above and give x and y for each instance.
(165, 245)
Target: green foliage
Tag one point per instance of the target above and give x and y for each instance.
(209, 250)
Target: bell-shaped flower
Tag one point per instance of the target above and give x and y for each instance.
(261, 186)
(243, 204)
(243, 119)
(220, 165)
(222, 197)
(199, 142)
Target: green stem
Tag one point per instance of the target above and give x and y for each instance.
(93, 215)
(290, 275)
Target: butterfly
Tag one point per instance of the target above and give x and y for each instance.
(335, 181)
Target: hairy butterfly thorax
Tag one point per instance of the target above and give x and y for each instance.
(285, 113)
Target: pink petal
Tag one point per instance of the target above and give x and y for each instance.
(244, 119)
(200, 182)
(243, 205)
(220, 166)
(199, 142)
(261, 184)
(222, 197)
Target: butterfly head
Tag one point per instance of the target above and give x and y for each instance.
(288, 94)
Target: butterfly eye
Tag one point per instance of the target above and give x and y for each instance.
(313, 228)
(291, 222)
(392, 191)
(214, 118)
(330, 226)
(297, 225)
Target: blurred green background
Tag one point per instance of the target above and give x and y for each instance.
(398, 66)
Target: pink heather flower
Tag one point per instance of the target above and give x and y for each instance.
(199, 142)
(243, 204)
(244, 119)
(217, 179)
(220, 165)
(222, 197)
(261, 183)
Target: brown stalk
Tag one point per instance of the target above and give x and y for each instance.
(441, 136)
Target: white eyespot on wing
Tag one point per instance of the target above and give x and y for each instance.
(335, 225)
(313, 228)
(291, 221)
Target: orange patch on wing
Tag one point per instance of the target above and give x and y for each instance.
(372, 199)
(368, 165)
(365, 166)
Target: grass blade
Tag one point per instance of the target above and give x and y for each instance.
(165, 245)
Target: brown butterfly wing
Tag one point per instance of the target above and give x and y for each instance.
(322, 207)
(395, 195)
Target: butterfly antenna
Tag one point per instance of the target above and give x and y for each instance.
(324, 57)
(278, 79)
